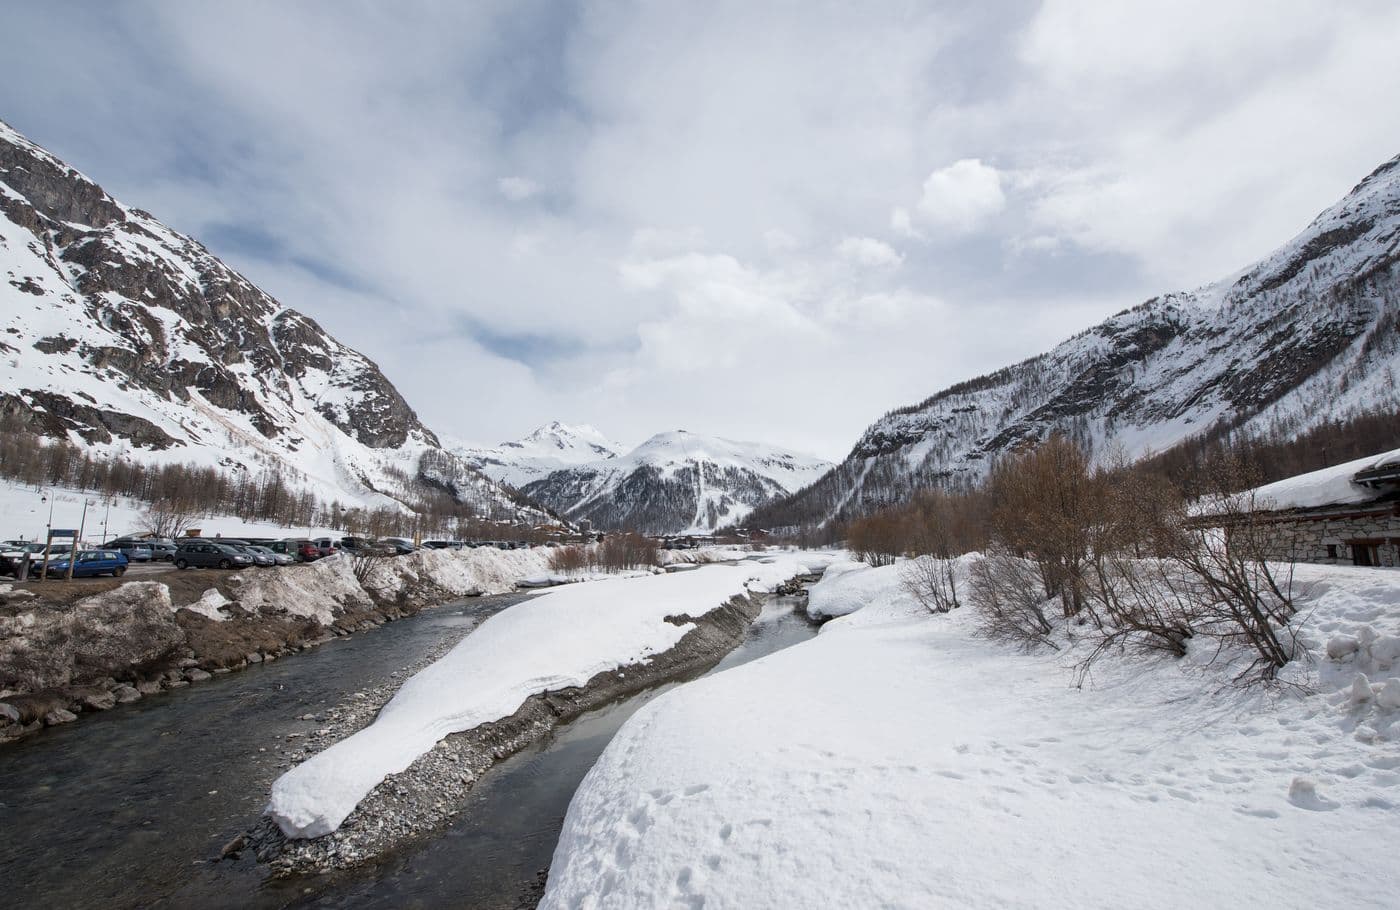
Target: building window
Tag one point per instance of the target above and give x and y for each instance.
(1331, 551)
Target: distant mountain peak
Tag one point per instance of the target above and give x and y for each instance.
(676, 481)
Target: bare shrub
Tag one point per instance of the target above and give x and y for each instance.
(366, 565)
(1006, 590)
(569, 559)
(1240, 597)
(940, 527)
(628, 550)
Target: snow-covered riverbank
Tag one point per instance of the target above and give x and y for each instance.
(560, 640)
(898, 760)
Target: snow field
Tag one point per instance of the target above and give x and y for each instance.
(558, 640)
(898, 760)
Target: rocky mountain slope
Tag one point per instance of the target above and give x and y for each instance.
(549, 448)
(1308, 333)
(131, 339)
(676, 482)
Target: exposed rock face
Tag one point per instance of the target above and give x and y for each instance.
(120, 334)
(1309, 333)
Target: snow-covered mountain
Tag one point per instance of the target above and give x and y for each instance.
(549, 448)
(1310, 332)
(676, 482)
(128, 338)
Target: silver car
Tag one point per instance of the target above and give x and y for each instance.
(278, 559)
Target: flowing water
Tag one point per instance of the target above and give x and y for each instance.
(130, 807)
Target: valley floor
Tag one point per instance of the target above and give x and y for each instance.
(898, 760)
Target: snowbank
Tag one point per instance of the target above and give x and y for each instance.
(899, 760)
(559, 640)
(847, 586)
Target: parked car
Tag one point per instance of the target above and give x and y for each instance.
(361, 546)
(210, 554)
(326, 546)
(249, 549)
(13, 553)
(262, 558)
(134, 549)
(299, 548)
(401, 546)
(90, 563)
(162, 550)
(278, 559)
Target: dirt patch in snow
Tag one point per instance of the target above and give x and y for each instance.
(412, 805)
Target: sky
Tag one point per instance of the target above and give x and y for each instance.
(765, 221)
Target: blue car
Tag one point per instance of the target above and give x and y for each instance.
(90, 563)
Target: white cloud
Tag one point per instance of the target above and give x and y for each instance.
(959, 198)
(868, 251)
(517, 189)
(1138, 148)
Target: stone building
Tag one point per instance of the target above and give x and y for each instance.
(1344, 515)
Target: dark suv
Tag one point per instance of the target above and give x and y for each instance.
(210, 555)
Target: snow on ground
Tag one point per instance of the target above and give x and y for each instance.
(848, 586)
(901, 761)
(558, 640)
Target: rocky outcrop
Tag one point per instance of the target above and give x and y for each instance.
(123, 336)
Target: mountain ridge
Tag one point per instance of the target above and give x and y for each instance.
(1311, 330)
(135, 341)
(676, 482)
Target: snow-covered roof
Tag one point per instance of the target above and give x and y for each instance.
(1328, 487)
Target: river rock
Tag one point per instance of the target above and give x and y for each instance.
(59, 716)
(148, 686)
(126, 694)
(8, 715)
(176, 684)
(254, 658)
(186, 662)
(197, 675)
(99, 701)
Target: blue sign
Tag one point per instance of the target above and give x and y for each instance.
(68, 533)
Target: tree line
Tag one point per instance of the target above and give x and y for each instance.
(1116, 553)
(176, 494)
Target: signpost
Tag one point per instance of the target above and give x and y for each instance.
(48, 547)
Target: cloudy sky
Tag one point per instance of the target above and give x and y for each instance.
(767, 221)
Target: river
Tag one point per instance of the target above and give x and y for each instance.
(130, 808)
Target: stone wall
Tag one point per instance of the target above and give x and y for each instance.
(1334, 539)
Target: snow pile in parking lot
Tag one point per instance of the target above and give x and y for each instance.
(318, 590)
(435, 574)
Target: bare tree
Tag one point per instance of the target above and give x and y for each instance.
(167, 518)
